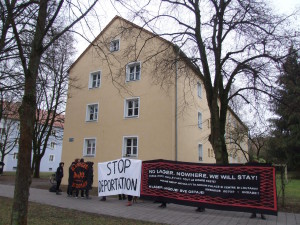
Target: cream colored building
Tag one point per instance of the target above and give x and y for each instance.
(133, 100)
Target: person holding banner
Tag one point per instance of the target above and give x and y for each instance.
(253, 215)
(200, 209)
(90, 176)
(119, 177)
(256, 162)
(129, 203)
(81, 189)
(70, 180)
(163, 205)
(122, 197)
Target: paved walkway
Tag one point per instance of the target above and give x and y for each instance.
(148, 211)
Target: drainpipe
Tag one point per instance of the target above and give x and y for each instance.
(176, 108)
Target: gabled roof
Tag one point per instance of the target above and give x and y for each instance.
(107, 26)
(11, 111)
(176, 49)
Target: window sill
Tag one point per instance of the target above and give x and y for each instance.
(90, 156)
(129, 156)
(90, 121)
(130, 117)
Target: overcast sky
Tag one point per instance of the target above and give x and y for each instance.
(106, 12)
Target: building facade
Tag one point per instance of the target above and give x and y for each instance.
(9, 137)
(49, 162)
(136, 100)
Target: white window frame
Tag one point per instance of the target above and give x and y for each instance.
(112, 46)
(93, 148)
(51, 157)
(126, 107)
(200, 120)
(134, 77)
(199, 89)
(200, 152)
(88, 112)
(52, 145)
(124, 147)
(15, 155)
(98, 79)
(2, 131)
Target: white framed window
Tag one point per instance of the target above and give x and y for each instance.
(200, 152)
(115, 45)
(200, 120)
(52, 145)
(2, 131)
(95, 79)
(89, 148)
(53, 132)
(15, 156)
(132, 107)
(133, 71)
(130, 146)
(199, 89)
(51, 158)
(92, 112)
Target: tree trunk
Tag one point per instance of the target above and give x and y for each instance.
(217, 136)
(27, 113)
(23, 175)
(37, 165)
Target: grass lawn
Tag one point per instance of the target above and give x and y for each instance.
(40, 214)
(292, 196)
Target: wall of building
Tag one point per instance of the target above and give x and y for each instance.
(46, 165)
(155, 124)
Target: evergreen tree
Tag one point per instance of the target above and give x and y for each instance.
(286, 143)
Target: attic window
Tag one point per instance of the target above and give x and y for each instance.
(115, 45)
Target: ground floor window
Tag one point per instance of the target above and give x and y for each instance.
(51, 158)
(130, 146)
(200, 152)
(89, 147)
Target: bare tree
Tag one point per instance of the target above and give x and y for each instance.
(9, 130)
(256, 141)
(228, 42)
(51, 96)
(30, 23)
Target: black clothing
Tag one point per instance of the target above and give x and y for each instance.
(89, 179)
(163, 205)
(253, 215)
(70, 180)
(122, 197)
(200, 209)
(58, 176)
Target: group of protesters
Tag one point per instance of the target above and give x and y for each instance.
(80, 178)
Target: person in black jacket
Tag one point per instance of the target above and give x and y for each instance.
(58, 176)
(255, 162)
(90, 176)
(70, 180)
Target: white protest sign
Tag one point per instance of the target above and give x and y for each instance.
(121, 176)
